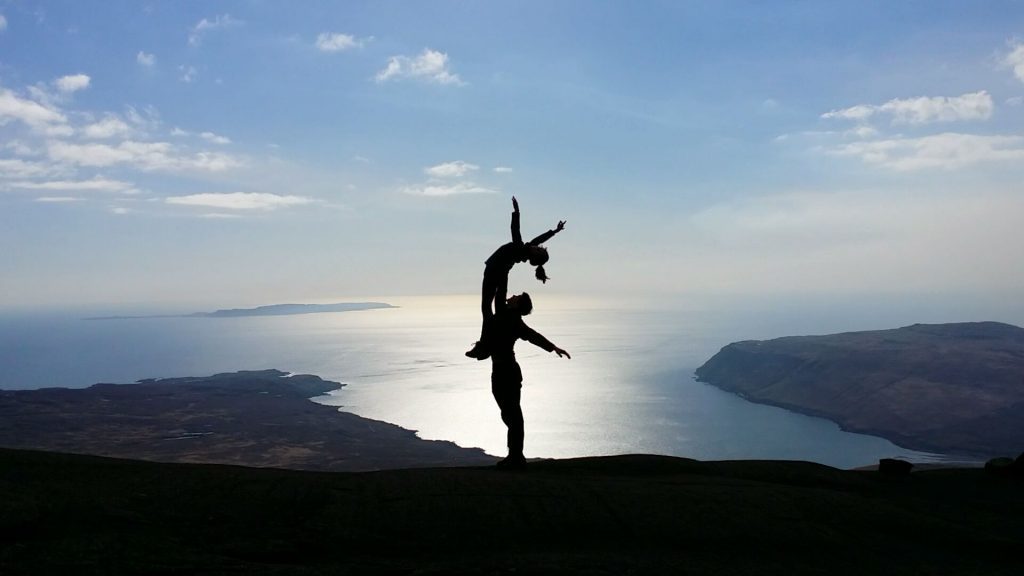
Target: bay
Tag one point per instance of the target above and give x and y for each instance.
(628, 388)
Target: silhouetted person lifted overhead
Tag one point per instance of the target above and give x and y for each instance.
(496, 269)
(506, 375)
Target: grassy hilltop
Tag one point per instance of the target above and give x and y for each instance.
(73, 514)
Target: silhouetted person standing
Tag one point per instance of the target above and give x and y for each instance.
(496, 269)
(506, 375)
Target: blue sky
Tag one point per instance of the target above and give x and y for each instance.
(252, 152)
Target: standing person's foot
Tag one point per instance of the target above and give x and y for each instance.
(479, 351)
(513, 462)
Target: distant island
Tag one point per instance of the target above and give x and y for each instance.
(271, 310)
(948, 388)
(255, 418)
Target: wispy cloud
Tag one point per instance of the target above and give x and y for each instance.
(337, 42)
(41, 118)
(1014, 59)
(943, 151)
(204, 26)
(3, 23)
(187, 74)
(109, 127)
(18, 168)
(97, 184)
(502, 169)
(145, 60)
(454, 169)
(145, 156)
(923, 110)
(239, 200)
(437, 189)
(58, 199)
(72, 83)
(429, 65)
(215, 138)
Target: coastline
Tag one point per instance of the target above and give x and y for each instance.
(903, 442)
(260, 418)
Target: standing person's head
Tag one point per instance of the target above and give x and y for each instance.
(521, 304)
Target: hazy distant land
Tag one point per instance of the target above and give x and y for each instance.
(270, 310)
(949, 388)
(262, 418)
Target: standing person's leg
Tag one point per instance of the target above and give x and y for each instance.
(506, 386)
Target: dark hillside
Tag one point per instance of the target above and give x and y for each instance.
(617, 515)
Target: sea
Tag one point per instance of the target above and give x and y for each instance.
(628, 388)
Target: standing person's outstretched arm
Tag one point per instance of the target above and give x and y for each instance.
(548, 235)
(538, 340)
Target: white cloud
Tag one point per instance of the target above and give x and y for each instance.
(16, 168)
(109, 127)
(1015, 101)
(946, 151)
(3, 23)
(335, 42)
(97, 184)
(119, 210)
(195, 37)
(179, 132)
(146, 120)
(502, 169)
(858, 112)
(19, 148)
(58, 199)
(39, 117)
(1015, 59)
(862, 131)
(448, 190)
(142, 155)
(454, 169)
(924, 110)
(73, 83)
(214, 138)
(239, 200)
(429, 65)
(146, 60)
(187, 73)
(219, 216)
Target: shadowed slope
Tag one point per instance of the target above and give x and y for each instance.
(626, 514)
